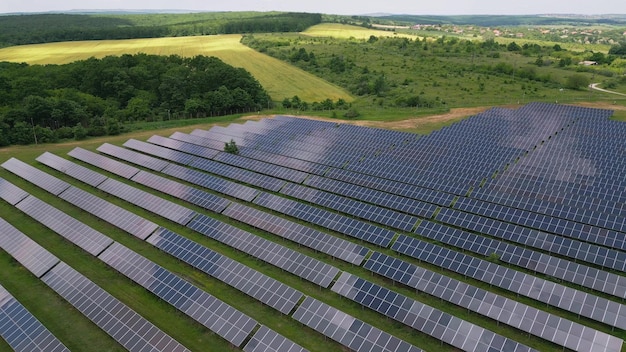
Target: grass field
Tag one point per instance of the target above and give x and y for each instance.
(345, 31)
(280, 79)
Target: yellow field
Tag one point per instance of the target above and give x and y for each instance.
(280, 79)
(345, 31)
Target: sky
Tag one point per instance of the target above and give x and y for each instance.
(340, 7)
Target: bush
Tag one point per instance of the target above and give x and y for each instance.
(577, 81)
(231, 147)
(351, 114)
(80, 132)
(64, 132)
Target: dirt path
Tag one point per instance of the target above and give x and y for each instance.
(426, 122)
(408, 124)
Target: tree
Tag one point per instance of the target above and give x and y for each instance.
(577, 81)
(231, 147)
(80, 132)
(513, 46)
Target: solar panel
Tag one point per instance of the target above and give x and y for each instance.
(109, 212)
(431, 321)
(184, 147)
(11, 193)
(176, 189)
(148, 201)
(404, 204)
(575, 301)
(110, 165)
(268, 340)
(136, 158)
(211, 182)
(219, 317)
(251, 282)
(80, 172)
(26, 251)
(328, 219)
(75, 231)
(347, 330)
(22, 331)
(336, 247)
(356, 208)
(36, 176)
(261, 167)
(235, 173)
(540, 262)
(162, 152)
(128, 328)
(273, 253)
(558, 330)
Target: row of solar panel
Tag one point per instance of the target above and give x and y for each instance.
(118, 320)
(137, 268)
(304, 236)
(579, 274)
(178, 250)
(561, 227)
(385, 185)
(287, 259)
(22, 331)
(405, 222)
(105, 310)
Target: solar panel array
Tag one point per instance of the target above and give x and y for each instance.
(128, 328)
(21, 330)
(517, 199)
(257, 285)
(441, 325)
(349, 331)
(123, 324)
(226, 321)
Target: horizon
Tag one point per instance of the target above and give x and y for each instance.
(331, 7)
(377, 14)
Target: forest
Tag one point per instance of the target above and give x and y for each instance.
(98, 96)
(46, 28)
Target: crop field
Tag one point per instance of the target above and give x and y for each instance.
(278, 78)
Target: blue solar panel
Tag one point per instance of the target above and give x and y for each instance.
(224, 320)
(22, 331)
(26, 251)
(431, 321)
(267, 290)
(575, 301)
(283, 257)
(298, 233)
(347, 330)
(563, 332)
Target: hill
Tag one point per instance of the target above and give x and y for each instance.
(280, 79)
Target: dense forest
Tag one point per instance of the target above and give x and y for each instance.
(46, 28)
(97, 96)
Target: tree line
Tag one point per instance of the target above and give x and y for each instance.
(98, 96)
(45, 28)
